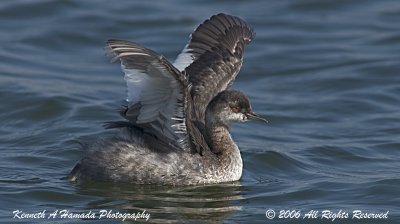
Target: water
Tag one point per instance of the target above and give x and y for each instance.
(324, 73)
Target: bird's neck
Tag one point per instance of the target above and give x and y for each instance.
(224, 147)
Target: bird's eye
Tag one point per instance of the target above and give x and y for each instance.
(235, 109)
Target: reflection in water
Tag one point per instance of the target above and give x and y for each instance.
(166, 203)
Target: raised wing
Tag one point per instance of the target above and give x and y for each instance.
(156, 96)
(213, 57)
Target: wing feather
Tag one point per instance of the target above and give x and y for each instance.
(167, 102)
(155, 94)
(213, 57)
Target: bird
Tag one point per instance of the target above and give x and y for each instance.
(176, 123)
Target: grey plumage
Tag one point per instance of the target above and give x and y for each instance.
(217, 47)
(176, 127)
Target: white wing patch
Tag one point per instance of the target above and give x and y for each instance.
(135, 80)
(184, 59)
(156, 94)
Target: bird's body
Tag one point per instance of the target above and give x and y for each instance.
(118, 160)
(176, 127)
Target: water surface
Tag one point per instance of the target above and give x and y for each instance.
(324, 73)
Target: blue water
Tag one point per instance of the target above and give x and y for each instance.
(326, 74)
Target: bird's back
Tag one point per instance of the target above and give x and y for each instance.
(164, 138)
(118, 160)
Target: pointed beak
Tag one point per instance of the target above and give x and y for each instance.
(253, 116)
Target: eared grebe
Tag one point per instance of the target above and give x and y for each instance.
(176, 127)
